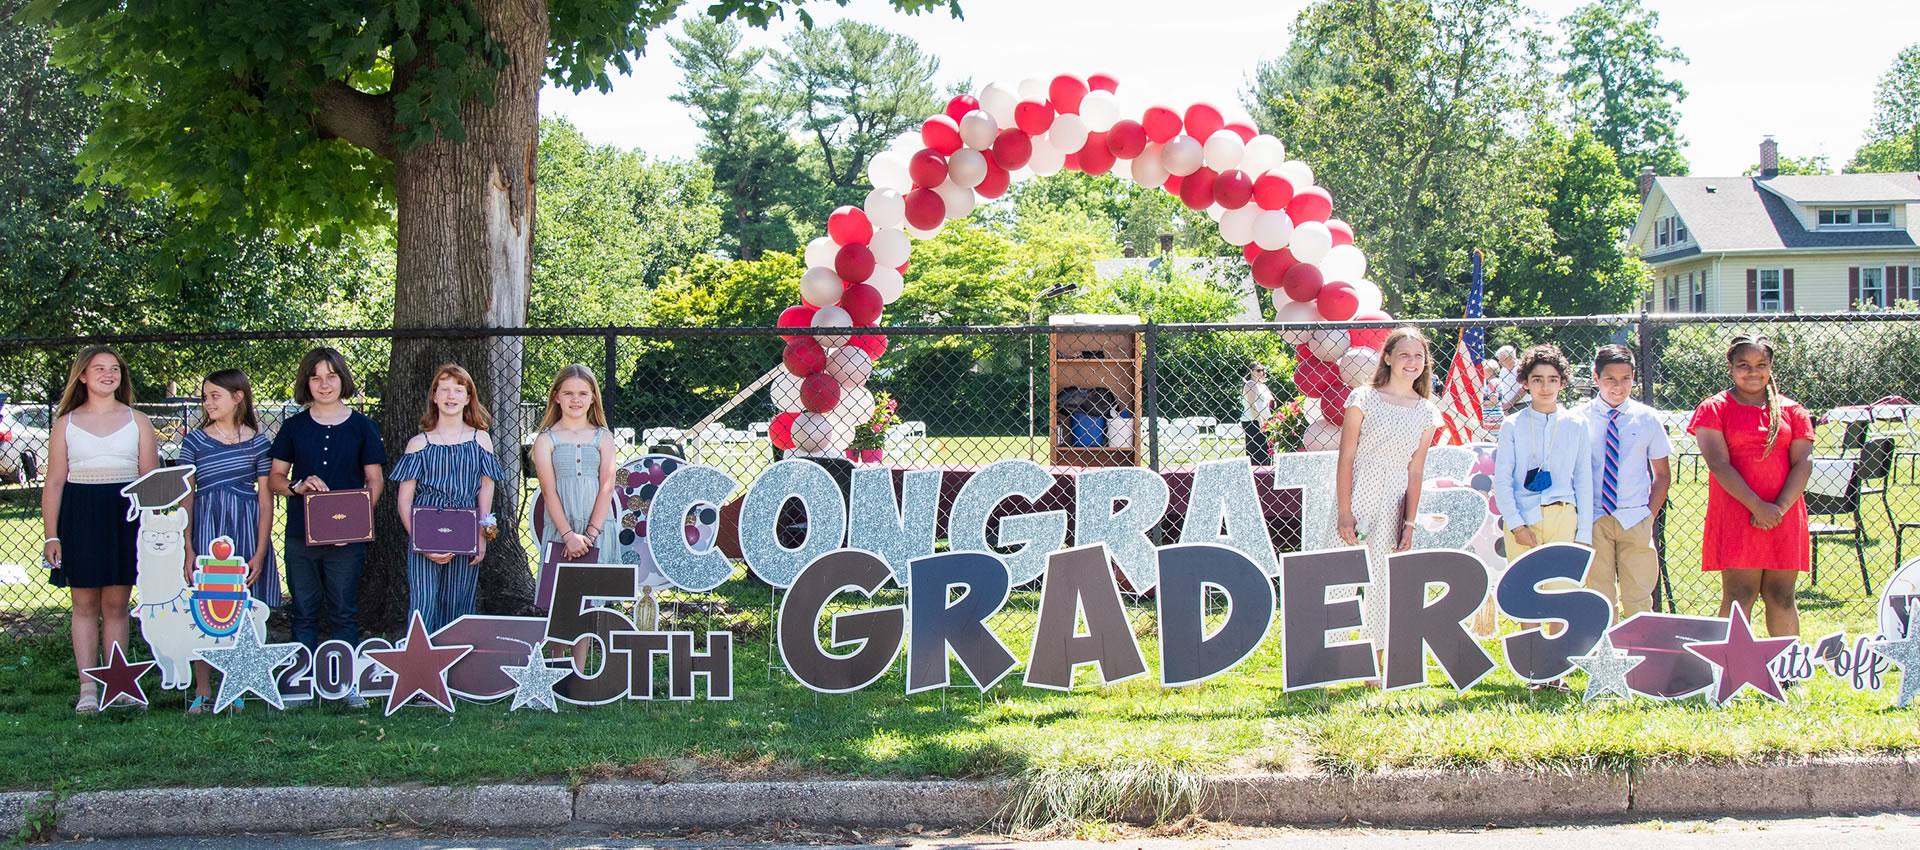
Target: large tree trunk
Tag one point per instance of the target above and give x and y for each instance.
(465, 237)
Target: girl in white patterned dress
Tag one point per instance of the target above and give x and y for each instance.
(1383, 452)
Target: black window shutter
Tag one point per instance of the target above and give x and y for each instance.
(1853, 286)
(1753, 290)
(1786, 290)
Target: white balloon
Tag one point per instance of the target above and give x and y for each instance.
(1311, 241)
(1068, 133)
(1236, 227)
(959, 199)
(1101, 109)
(1147, 170)
(1294, 312)
(1371, 298)
(978, 130)
(1298, 173)
(1343, 262)
(999, 99)
(811, 431)
(1183, 155)
(1034, 90)
(832, 317)
(821, 287)
(1272, 229)
(785, 391)
(1263, 154)
(917, 233)
(1327, 344)
(839, 434)
(1356, 365)
(1216, 212)
(890, 247)
(966, 168)
(1224, 150)
(856, 402)
(850, 366)
(888, 170)
(1047, 159)
(1023, 173)
(885, 208)
(821, 252)
(1320, 437)
(886, 279)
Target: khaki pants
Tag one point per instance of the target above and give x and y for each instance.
(1626, 557)
(1559, 523)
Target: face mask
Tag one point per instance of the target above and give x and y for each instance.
(1538, 480)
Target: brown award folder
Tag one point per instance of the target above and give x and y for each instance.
(438, 531)
(339, 516)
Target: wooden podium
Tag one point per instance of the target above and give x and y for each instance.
(1089, 360)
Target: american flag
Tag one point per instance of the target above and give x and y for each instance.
(1460, 401)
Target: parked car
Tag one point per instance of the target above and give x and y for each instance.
(23, 443)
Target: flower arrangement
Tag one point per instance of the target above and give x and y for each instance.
(872, 434)
(1288, 425)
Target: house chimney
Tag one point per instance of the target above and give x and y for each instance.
(1646, 182)
(1127, 252)
(1166, 243)
(1769, 158)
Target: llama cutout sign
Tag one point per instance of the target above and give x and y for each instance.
(176, 618)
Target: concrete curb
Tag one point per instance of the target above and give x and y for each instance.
(1402, 798)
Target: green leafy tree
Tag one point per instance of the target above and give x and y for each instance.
(855, 86)
(1403, 109)
(1796, 165)
(1893, 138)
(1587, 269)
(329, 114)
(677, 381)
(1616, 81)
(748, 146)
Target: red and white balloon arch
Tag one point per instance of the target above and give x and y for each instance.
(1264, 203)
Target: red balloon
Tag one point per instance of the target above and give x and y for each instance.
(1334, 411)
(1272, 192)
(863, 303)
(1103, 82)
(1270, 268)
(1012, 149)
(873, 344)
(1233, 189)
(1032, 118)
(1203, 120)
(1173, 184)
(941, 133)
(1338, 301)
(1310, 204)
(804, 356)
(1126, 139)
(1374, 338)
(960, 105)
(1303, 281)
(1066, 91)
(854, 263)
(797, 316)
(1342, 231)
(849, 226)
(927, 168)
(1070, 162)
(820, 392)
(1161, 123)
(1252, 251)
(925, 209)
(995, 183)
(1196, 191)
(1314, 376)
(780, 430)
(1244, 131)
(1096, 158)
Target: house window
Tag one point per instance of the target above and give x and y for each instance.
(1673, 294)
(1873, 286)
(1769, 294)
(1699, 292)
(1662, 234)
(1873, 215)
(1829, 218)
(1679, 230)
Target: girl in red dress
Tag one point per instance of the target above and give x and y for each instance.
(1758, 447)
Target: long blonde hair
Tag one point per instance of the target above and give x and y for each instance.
(1775, 419)
(1383, 373)
(75, 393)
(596, 414)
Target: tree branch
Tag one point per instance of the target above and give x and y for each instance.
(354, 116)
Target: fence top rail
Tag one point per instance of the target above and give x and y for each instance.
(946, 330)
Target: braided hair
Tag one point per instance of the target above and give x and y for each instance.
(1775, 420)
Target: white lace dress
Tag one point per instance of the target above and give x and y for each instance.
(1389, 435)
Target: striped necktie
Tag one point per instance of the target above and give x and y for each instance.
(1610, 473)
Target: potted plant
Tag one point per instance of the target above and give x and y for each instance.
(1288, 425)
(871, 436)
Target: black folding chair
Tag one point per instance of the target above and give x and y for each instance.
(1870, 477)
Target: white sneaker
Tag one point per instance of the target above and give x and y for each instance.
(354, 700)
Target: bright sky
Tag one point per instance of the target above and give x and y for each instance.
(1804, 74)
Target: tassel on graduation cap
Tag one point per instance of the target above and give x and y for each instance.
(158, 490)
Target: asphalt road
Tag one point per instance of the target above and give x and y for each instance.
(1854, 833)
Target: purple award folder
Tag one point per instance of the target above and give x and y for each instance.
(555, 555)
(339, 516)
(446, 530)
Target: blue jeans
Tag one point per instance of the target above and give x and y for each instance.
(325, 577)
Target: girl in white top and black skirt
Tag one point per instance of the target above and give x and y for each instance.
(99, 444)
(1256, 404)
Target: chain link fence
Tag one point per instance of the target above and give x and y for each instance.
(1161, 396)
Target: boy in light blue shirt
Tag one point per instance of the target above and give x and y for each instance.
(1542, 477)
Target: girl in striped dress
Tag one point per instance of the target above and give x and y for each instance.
(449, 464)
(231, 497)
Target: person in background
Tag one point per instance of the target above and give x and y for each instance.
(1256, 404)
(97, 445)
(1758, 447)
(1490, 412)
(449, 464)
(1628, 449)
(1511, 390)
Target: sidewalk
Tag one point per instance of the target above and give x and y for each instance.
(1401, 798)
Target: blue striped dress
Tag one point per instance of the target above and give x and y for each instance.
(445, 476)
(226, 501)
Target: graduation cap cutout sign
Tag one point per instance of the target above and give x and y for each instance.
(158, 490)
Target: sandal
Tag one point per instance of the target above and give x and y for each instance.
(199, 704)
(89, 703)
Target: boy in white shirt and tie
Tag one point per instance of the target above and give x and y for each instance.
(1628, 450)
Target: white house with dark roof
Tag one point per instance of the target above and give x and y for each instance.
(1779, 243)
